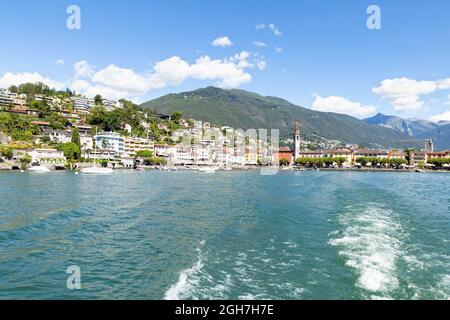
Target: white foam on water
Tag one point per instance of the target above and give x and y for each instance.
(243, 274)
(187, 280)
(371, 244)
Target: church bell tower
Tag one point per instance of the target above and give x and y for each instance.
(297, 141)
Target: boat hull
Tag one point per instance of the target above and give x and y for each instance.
(95, 170)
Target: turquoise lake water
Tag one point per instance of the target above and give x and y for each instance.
(229, 235)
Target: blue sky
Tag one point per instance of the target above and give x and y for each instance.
(317, 54)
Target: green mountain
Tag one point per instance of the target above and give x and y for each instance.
(243, 109)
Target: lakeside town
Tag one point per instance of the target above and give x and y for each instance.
(61, 130)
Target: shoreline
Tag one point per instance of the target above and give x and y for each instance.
(280, 170)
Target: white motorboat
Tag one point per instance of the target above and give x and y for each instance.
(39, 169)
(97, 170)
(207, 170)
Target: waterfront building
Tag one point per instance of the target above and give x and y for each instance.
(394, 154)
(429, 147)
(110, 141)
(341, 153)
(311, 154)
(47, 156)
(87, 143)
(437, 155)
(283, 153)
(383, 154)
(103, 154)
(164, 150)
(416, 157)
(134, 144)
(184, 155)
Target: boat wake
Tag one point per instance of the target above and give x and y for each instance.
(241, 275)
(188, 279)
(371, 244)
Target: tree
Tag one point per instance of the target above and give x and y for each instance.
(363, 161)
(98, 100)
(340, 160)
(284, 162)
(7, 152)
(76, 137)
(70, 149)
(176, 116)
(13, 89)
(25, 161)
(144, 154)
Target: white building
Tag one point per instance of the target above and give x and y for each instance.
(163, 150)
(83, 103)
(7, 97)
(58, 136)
(111, 104)
(110, 141)
(86, 142)
(47, 156)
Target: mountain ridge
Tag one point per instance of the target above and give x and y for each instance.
(243, 109)
(416, 128)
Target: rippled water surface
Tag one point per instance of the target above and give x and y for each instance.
(230, 235)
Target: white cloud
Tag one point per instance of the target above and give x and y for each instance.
(83, 69)
(441, 117)
(261, 64)
(260, 44)
(273, 28)
(60, 62)
(278, 50)
(444, 84)
(9, 79)
(120, 79)
(116, 82)
(170, 72)
(222, 42)
(404, 94)
(79, 85)
(227, 73)
(342, 105)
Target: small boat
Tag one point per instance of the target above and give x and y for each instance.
(39, 169)
(97, 170)
(420, 171)
(207, 170)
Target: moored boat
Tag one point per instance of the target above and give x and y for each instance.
(97, 170)
(39, 169)
(207, 170)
